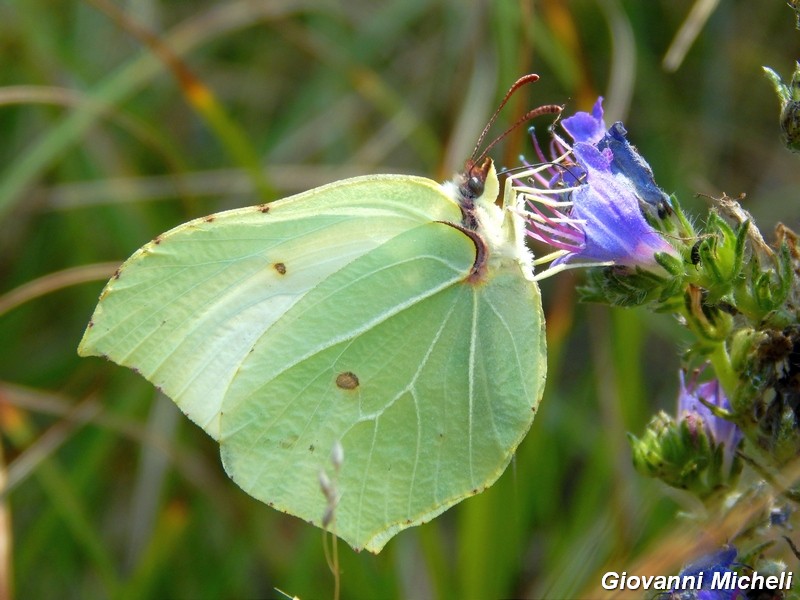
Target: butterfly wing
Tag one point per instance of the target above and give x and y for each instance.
(187, 308)
(342, 315)
(406, 370)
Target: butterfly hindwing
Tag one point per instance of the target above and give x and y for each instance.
(424, 406)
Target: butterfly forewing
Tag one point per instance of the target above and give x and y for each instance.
(186, 309)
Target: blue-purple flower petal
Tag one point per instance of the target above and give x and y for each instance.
(585, 127)
(608, 211)
(628, 162)
(697, 414)
(716, 562)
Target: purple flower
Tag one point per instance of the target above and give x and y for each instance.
(700, 418)
(614, 228)
(626, 161)
(586, 201)
(720, 562)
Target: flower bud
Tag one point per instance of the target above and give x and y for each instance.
(696, 452)
(789, 97)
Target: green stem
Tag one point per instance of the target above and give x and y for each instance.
(723, 369)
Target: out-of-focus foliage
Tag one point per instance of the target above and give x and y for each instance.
(109, 491)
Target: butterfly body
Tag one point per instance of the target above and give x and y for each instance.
(389, 314)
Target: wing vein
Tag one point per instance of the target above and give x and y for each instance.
(471, 371)
(365, 326)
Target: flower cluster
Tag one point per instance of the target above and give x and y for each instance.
(593, 199)
(587, 201)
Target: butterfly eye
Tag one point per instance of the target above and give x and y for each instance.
(475, 185)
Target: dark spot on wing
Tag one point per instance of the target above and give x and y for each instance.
(264, 208)
(280, 268)
(116, 274)
(157, 239)
(91, 324)
(347, 380)
(210, 219)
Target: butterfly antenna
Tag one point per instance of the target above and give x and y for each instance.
(547, 109)
(524, 80)
(541, 110)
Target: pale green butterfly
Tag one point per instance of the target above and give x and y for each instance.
(388, 316)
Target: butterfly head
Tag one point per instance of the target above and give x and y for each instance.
(479, 181)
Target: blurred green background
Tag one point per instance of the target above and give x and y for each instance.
(110, 492)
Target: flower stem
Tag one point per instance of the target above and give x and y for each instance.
(723, 369)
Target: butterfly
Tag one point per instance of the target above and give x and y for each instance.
(389, 316)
